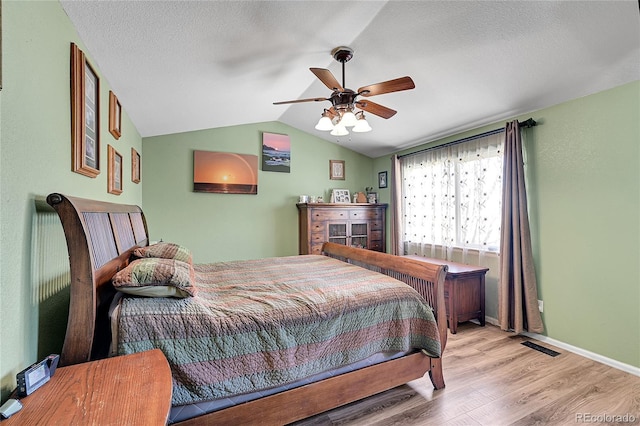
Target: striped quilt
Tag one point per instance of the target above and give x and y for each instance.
(263, 323)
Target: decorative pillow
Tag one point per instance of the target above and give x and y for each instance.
(155, 277)
(165, 251)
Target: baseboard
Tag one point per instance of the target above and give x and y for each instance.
(576, 350)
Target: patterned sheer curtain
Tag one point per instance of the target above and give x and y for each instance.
(451, 198)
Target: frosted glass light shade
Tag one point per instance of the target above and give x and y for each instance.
(324, 124)
(361, 126)
(348, 119)
(339, 130)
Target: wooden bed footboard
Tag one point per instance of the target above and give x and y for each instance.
(426, 278)
(100, 238)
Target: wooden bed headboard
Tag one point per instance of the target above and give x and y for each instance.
(100, 238)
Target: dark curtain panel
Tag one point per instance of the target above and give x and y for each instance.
(517, 291)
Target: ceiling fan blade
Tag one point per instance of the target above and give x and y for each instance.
(327, 78)
(297, 101)
(376, 109)
(396, 85)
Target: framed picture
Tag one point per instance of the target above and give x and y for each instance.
(341, 196)
(336, 169)
(135, 166)
(225, 172)
(114, 171)
(85, 115)
(382, 179)
(115, 116)
(276, 153)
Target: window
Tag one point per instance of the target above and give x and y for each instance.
(451, 196)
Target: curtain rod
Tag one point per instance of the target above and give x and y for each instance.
(523, 124)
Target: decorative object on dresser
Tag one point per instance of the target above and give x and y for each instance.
(336, 169)
(463, 291)
(114, 171)
(103, 392)
(358, 225)
(85, 115)
(115, 116)
(361, 197)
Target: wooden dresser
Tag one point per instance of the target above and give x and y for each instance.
(356, 225)
(463, 291)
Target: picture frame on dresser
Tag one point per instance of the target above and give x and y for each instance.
(115, 116)
(114, 171)
(341, 196)
(85, 115)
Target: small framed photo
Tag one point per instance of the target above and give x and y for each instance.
(85, 115)
(336, 169)
(135, 166)
(382, 179)
(341, 196)
(114, 171)
(115, 116)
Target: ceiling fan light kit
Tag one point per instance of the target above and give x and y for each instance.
(343, 112)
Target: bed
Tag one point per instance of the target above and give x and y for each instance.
(102, 238)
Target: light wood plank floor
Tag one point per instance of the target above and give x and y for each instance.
(492, 379)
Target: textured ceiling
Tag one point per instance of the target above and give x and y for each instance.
(179, 66)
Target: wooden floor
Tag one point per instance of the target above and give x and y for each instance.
(492, 379)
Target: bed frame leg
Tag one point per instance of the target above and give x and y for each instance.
(437, 378)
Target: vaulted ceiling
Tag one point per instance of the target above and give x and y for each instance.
(178, 66)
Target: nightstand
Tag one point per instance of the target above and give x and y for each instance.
(463, 291)
(125, 390)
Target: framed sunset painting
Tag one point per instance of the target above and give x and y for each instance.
(225, 172)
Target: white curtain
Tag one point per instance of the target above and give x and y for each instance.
(451, 197)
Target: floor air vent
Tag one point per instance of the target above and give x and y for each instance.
(541, 348)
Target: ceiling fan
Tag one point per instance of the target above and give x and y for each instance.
(344, 101)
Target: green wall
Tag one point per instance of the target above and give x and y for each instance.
(35, 160)
(584, 190)
(237, 226)
(583, 165)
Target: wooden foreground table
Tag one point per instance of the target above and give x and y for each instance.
(126, 390)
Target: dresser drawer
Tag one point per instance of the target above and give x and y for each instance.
(318, 227)
(322, 215)
(377, 225)
(376, 235)
(364, 214)
(318, 237)
(376, 245)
